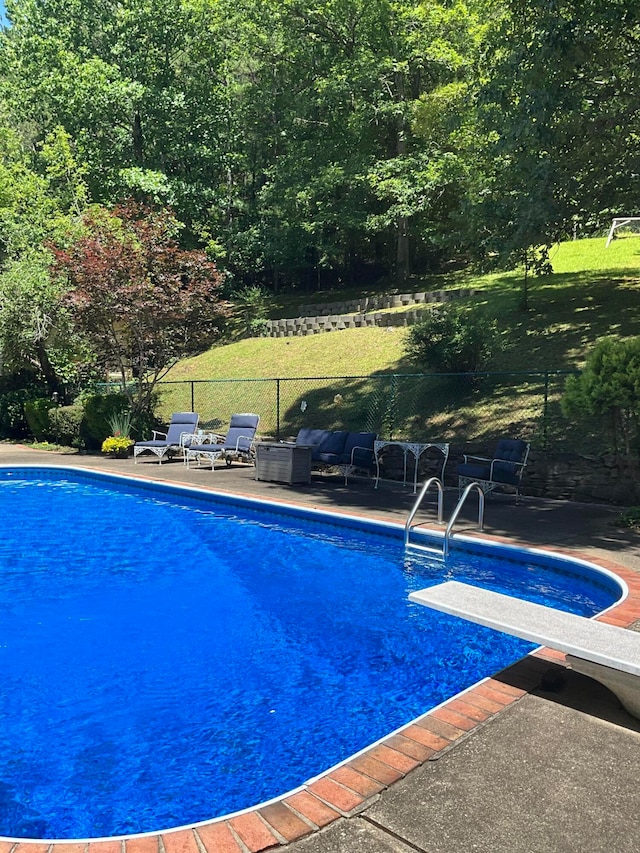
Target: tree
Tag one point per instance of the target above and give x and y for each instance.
(560, 113)
(39, 193)
(281, 131)
(140, 300)
(609, 386)
(35, 332)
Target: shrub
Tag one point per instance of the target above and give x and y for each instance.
(13, 423)
(630, 518)
(609, 386)
(99, 409)
(66, 424)
(452, 341)
(37, 416)
(251, 311)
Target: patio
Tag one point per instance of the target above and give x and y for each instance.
(553, 770)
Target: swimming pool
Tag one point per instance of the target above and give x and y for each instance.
(170, 655)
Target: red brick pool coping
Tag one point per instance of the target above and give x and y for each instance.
(348, 789)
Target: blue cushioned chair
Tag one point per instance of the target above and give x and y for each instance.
(237, 444)
(505, 468)
(357, 453)
(347, 451)
(182, 426)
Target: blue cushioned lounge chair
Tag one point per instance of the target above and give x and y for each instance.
(505, 468)
(183, 425)
(237, 444)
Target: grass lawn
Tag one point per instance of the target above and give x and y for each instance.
(593, 292)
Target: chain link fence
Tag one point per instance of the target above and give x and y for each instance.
(459, 408)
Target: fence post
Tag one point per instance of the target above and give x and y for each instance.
(193, 399)
(277, 409)
(545, 413)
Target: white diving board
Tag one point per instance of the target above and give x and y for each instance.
(604, 652)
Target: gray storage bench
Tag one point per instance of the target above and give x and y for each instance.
(283, 462)
(604, 652)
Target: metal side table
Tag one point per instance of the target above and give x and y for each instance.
(416, 449)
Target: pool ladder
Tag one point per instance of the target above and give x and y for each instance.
(434, 481)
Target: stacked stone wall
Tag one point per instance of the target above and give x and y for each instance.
(359, 313)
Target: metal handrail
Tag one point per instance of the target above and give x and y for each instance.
(430, 482)
(456, 512)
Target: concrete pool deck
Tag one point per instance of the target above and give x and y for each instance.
(536, 759)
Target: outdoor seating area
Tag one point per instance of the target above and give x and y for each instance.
(349, 451)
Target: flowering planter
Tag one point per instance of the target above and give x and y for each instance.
(116, 447)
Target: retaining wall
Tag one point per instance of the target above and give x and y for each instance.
(359, 313)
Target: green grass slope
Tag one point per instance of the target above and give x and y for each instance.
(592, 292)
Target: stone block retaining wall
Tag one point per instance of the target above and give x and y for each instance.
(359, 313)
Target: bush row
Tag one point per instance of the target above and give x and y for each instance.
(84, 424)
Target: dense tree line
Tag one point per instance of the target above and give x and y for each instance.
(313, 140)
(307, 143)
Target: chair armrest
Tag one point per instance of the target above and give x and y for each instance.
(156, 434)
(468, 456)
(368, 450)
(249, 438)
(508, 462)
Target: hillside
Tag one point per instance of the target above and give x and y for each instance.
(592, 292)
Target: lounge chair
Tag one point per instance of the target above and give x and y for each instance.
(183, 425)
(504, 468)
(237, 444)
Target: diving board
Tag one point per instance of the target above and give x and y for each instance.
(604, 652)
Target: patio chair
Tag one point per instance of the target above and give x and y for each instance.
(237, 444)
(179, 431)
(505, 468)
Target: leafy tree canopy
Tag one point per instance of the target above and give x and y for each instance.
(140, 300)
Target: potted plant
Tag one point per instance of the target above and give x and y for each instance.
(118, 444)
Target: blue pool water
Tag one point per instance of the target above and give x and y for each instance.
(168, 658)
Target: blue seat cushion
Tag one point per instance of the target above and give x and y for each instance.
(502, 472)
(237, 439)
(511, 449)
(505, 473)
(330, 449)
(155, 442)
(327, 458)
(474, 471)
(312, 437)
